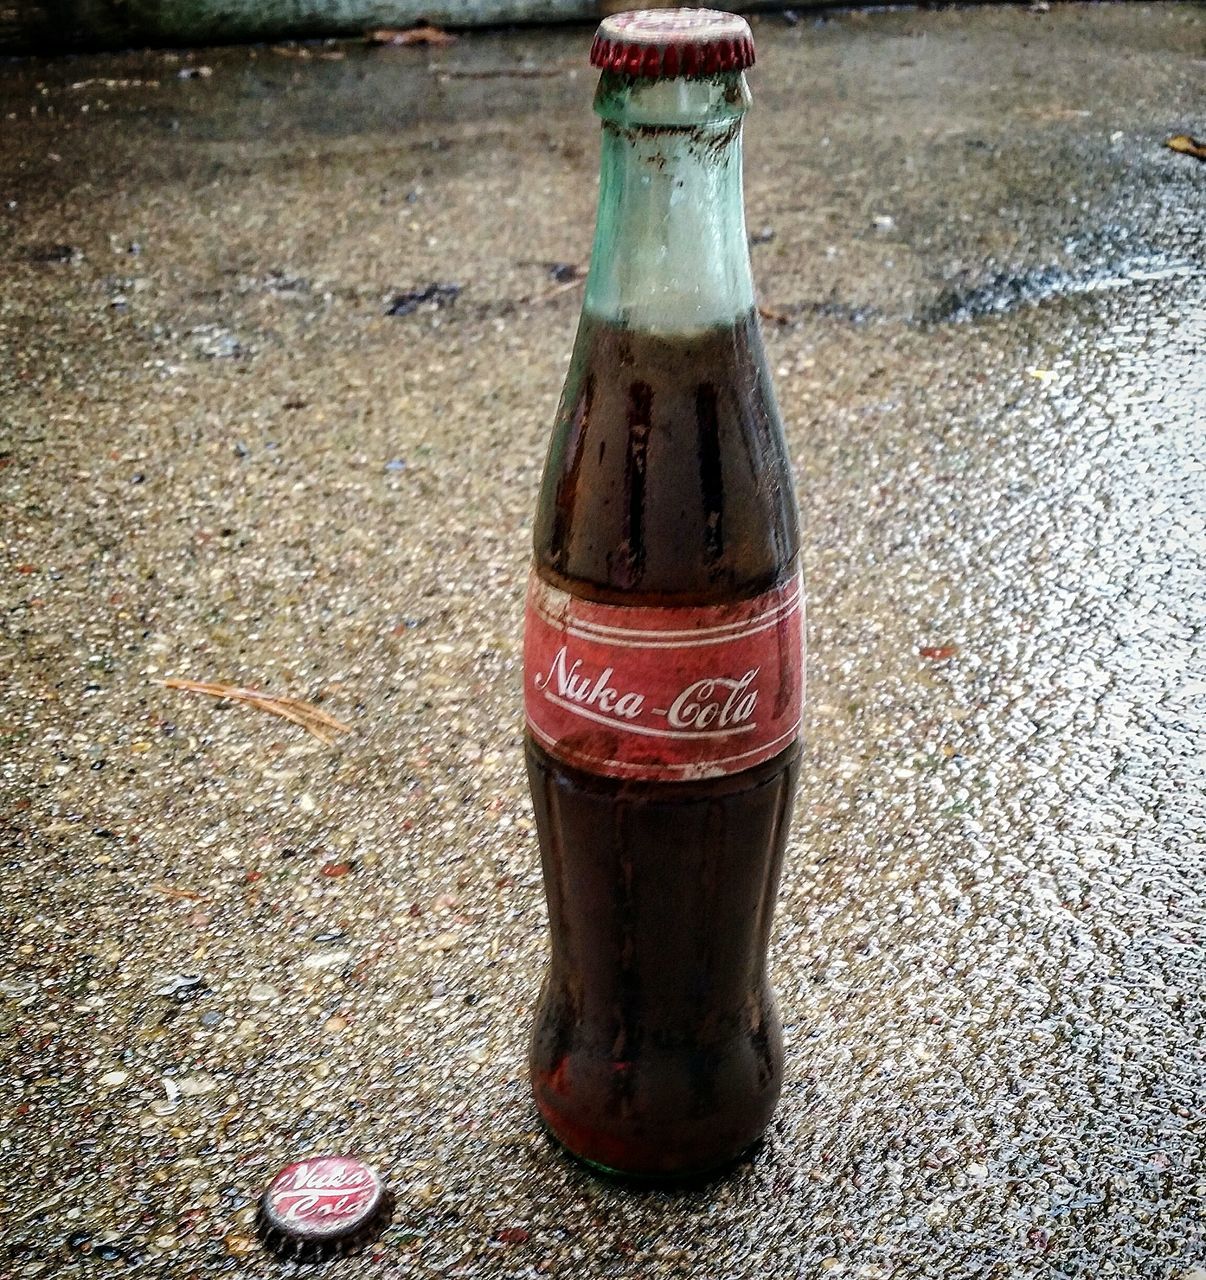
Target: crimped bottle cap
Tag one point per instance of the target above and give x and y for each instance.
(321, 1207)
(663, 43)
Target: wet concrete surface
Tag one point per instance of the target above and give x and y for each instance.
(231, 945)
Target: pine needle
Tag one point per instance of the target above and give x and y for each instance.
(313, 719)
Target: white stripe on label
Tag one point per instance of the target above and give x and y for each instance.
(547, 596)
(765, 623)
(696, 768)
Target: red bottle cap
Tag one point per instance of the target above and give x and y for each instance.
(656, 43)
(323, 1206)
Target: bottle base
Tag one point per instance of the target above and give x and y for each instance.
(654, 1180)
(656, 1148)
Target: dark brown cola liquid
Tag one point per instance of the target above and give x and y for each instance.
(657, 1048)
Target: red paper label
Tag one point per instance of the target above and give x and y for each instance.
(665, 693)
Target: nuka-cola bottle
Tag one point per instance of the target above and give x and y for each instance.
(663, 655)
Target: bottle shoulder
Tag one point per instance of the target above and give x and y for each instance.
(667, 474)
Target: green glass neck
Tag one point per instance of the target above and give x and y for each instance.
(670, 251)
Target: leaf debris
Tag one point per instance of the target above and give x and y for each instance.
(1187, 146)
(422, 35)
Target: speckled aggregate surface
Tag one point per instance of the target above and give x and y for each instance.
(228, 945)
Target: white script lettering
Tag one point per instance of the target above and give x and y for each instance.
(714, 701)
(575, 686)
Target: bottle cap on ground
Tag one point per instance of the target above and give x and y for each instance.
(658, 43)
(323, 1206)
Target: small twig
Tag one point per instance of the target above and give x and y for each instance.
(106, 83)
(313, 719)
(170, 891)
(224, 1123)
(778, 317)
(554, 291)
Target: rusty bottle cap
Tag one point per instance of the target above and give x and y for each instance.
(321, 1207)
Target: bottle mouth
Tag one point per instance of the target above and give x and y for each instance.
(710, 102)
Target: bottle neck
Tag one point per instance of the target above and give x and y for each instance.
(670, 251)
